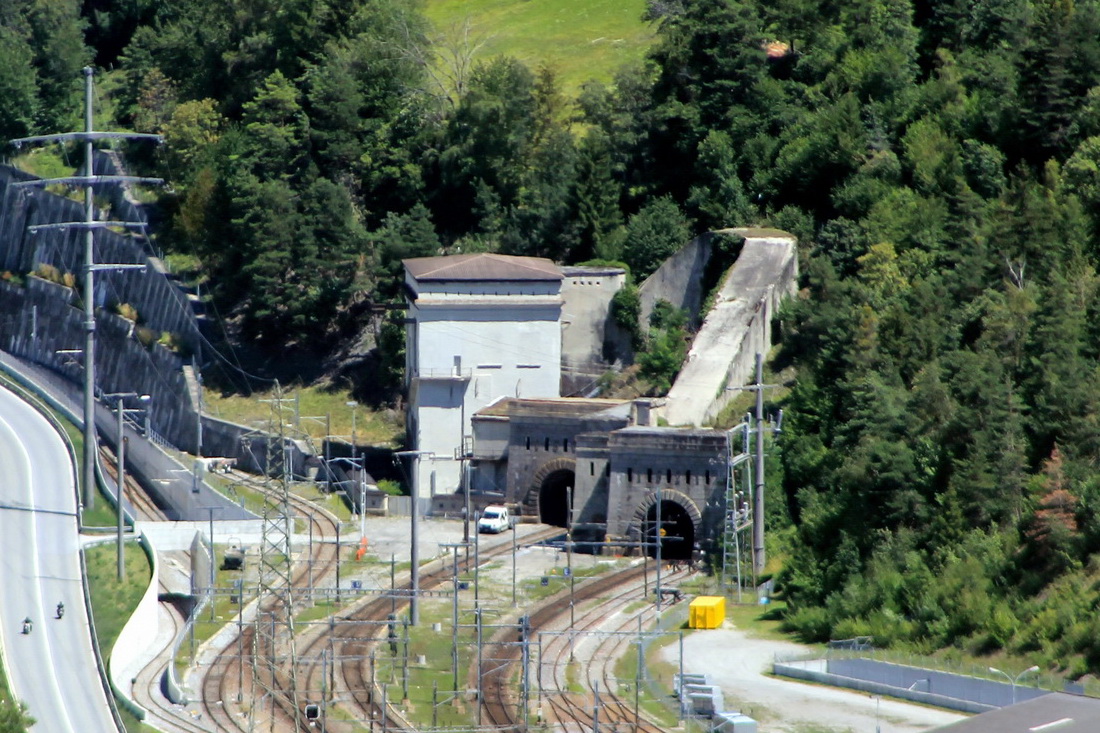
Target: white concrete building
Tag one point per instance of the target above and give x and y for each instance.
(479, 327)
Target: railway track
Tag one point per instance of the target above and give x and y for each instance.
(223, 699)
(606, 632)
(607, 597)
(352, 640)
(143, 504)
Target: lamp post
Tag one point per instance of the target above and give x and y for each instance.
(1013, 680)
(362, 498)
(120, 398)
(414, 553)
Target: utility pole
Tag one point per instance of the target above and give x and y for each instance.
(198, 414)
(659, 539)
(758, 499)
(758, 558)
(89, 225)
(414, 551)
(120, 484)
(120, 453)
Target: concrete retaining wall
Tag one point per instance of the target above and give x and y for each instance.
(122, 363)
(160, 303)
(723, 353)
(174, 689)
(813, 672)
(137, 636)
(679, 280)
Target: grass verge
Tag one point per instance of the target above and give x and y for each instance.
(114, 600)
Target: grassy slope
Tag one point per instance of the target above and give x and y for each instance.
(313, 405)
(580, 39)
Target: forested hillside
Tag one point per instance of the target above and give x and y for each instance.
(939, 161)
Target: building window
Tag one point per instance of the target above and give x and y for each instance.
(649, 475)
(528, 442)
(687, 477)
(630, 475)
(591, 468)
(668, 476)
(546, 444)
(565, 444)
(708, 478)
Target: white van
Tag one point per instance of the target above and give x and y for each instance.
(494, 519)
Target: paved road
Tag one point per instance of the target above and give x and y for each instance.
(53, 668)
(740, 664)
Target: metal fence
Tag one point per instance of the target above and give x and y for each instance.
(957, 685)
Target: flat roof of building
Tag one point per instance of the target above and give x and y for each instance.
(560, 407)
(482, 266)
(591, 270)
(1057, 712)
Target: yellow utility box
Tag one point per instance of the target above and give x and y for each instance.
(707, 612)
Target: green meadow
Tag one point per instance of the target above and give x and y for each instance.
(579, 39)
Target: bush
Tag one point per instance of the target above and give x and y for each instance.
(390, 487)
(626, 311)
(173, 343)
(127, 311)
(661, 361)
(810, 624)
(47, 271)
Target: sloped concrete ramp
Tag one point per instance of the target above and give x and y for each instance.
(736, 328)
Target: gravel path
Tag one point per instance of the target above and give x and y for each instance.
(739, 664)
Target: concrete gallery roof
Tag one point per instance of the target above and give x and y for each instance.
(1053, 713)
(560, 407)
(482, 266)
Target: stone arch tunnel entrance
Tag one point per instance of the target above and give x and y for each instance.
(554, 497)
(676, 535)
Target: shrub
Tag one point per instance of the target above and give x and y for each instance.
(127, 311)
(626, 311)
(390, 487)
(810, 624)
(47, 271)
(169, 341)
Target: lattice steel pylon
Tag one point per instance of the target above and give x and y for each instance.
(738, 502)
(274, 668)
